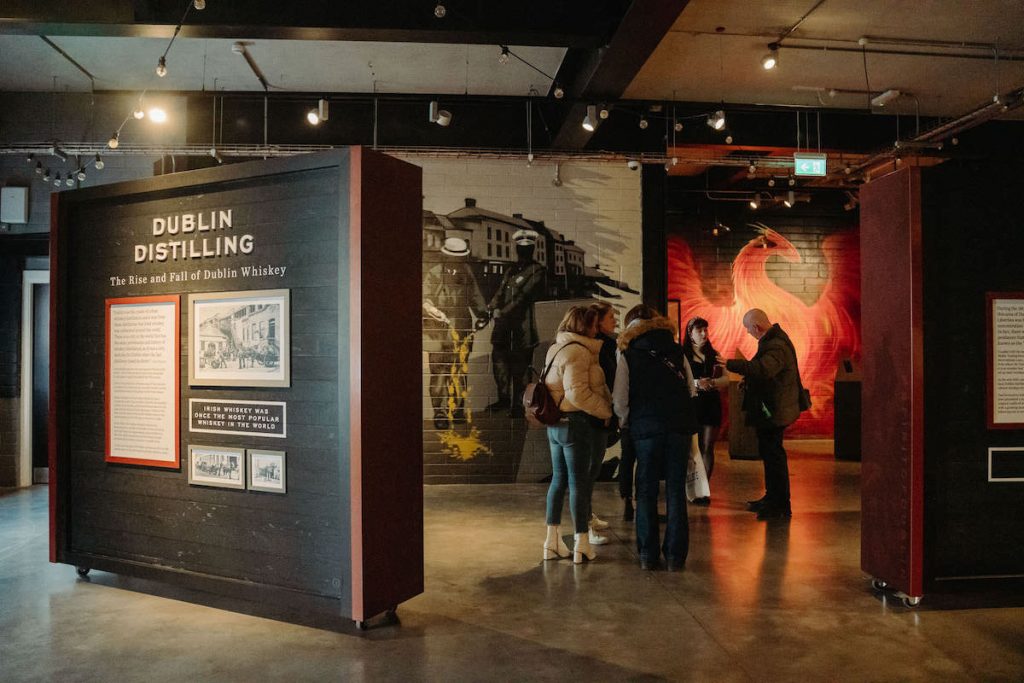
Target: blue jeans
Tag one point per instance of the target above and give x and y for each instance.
(656, 454)
(572, 448)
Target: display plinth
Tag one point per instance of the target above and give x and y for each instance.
(292, 473)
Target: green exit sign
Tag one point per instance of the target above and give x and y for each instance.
(809, 164)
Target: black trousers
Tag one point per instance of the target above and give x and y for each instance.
(776, 466)
(626, 465)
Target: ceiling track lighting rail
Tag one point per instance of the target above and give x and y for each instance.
(907, 53)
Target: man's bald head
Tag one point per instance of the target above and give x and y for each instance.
(756, 322)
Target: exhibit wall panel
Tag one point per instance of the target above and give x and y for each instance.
(893, 379)
(584, 220)
(972, 244)
(156, 517)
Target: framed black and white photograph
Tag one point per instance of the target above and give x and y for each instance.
(266, 471)
(219, 466)
(239, 339)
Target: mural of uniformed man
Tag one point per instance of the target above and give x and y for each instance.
(514, 336)
(451, 301)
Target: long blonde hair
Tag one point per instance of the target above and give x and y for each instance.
(579, 320)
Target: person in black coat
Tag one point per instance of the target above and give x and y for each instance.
(653, 395)
(771, 402)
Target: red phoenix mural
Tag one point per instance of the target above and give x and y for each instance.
(823, 333)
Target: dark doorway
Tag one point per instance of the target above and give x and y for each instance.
(40, 380)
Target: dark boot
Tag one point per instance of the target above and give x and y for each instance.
(627, 510)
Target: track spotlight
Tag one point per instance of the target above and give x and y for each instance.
(46, 176)
(30, 157)
(312, 117)
(790, 199)
(157, 115)
(505, 55)
(771, 182)
(643, 123)
(633, 165)
(56, 180)
(441, 117)
(321, 113)
(771, 60)
(717, 120)
(557, 179)
(138, 113)
(216, 155)
(678, 126)
(98, 164)
(590, 120)
(558, 92)
(440, 10)
(604, 112)
(59, 153)
(728, 139)
(113, 142)
(161, 67)
(69, 181)
(199, 4)
(81, 175)
(39, 167)
(755, 203)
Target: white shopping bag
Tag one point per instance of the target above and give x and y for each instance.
(696, 476)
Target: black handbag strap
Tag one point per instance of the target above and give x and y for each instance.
(671, 366)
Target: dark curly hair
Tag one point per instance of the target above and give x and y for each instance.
(687, 341)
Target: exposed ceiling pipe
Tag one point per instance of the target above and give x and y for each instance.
(972, 119)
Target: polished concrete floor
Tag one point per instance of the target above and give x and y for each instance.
(758, 601)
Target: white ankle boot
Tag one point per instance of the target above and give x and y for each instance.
(554, 546)
(597, 523)
(596, 538)
(581, 549)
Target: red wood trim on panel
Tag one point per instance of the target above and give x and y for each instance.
(916, 499)
(990, 406)
(168, 298)
(56, 370)
(355, 278)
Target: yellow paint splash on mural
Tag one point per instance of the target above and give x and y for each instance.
(458, 445)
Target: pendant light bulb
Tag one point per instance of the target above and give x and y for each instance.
(113, 142)
(771, 60)
(559, 92)
(504, 56)
(717, 120)
(199, 4)
(440, 10)
(39, 168)
(161, 67)
(98, 164)
(643, 123)
(139, 114)
(81, 175)
(157, 115)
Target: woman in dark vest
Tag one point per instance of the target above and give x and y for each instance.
(653, 395)
(708, 402)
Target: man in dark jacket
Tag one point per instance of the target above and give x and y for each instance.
(771, 403)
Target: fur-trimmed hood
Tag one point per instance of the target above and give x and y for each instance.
(641, 327)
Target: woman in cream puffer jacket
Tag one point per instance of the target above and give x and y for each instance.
(576, 382)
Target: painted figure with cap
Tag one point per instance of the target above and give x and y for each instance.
(454, 307)
(514, 336)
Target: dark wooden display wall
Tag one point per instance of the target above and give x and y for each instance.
(340, 231)
(972, 245)
(937, 244)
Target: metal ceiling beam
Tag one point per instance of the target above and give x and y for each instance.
(603, 74)
(574, 24)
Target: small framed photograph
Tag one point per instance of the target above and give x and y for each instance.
(218, 466)
(266, 471)
(239, 339)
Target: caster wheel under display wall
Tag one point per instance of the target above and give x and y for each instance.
(909, 601)
(878, 584)
(82, 571)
